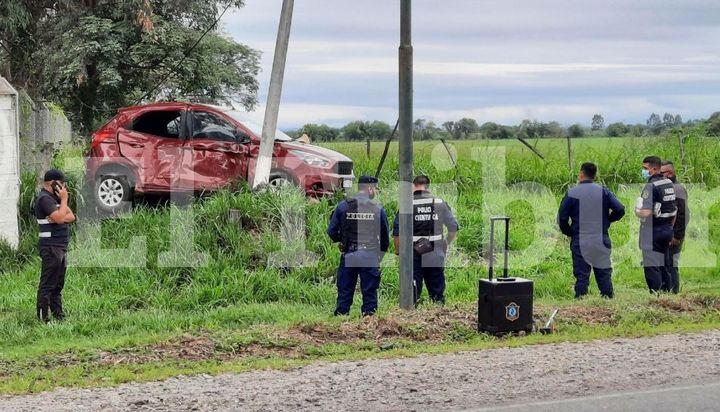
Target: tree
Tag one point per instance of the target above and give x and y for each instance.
(713, 124)
(552, 129)
(617, 129)
(575, 131)
(654, 124)
(466, 127)
(637, 130)
(93, 56)
(598, 122)
(425, 130)
(528, 129)
(319, 132)
(490, 130)
(670, 120)
(451, 129)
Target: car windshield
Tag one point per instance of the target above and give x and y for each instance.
(255, 126)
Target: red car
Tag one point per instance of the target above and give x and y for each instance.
(166, 147)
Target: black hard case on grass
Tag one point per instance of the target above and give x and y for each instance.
(504, 304)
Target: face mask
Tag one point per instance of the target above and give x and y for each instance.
(645, 174)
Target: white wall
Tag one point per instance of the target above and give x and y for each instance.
(9, 167)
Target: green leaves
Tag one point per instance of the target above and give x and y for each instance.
(95, 57)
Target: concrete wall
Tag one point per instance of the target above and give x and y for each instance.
(9, 163)
(43, 128)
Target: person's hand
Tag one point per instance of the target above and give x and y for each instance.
(63, 193)
(674, 242)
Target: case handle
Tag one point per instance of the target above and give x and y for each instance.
(491, 262)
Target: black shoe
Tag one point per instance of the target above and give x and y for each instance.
(43, 314)
(338, 313)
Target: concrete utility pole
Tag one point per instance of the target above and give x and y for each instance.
(405, 204)
(267, 141)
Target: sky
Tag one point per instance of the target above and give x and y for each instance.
(501, 61)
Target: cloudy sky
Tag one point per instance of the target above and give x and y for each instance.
(500, 61)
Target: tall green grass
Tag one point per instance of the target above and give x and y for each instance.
(250, 277)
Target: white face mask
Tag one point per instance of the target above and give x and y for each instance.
(645, 174)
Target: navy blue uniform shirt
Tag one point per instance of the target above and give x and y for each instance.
(588, 209)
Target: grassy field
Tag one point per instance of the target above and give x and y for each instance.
(134, 315)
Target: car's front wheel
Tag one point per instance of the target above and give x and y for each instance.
(113, 194)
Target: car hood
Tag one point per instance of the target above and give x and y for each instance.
(317, 150)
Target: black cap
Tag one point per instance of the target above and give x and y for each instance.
(54, 174)
(364, 180)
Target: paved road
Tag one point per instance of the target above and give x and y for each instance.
(695, 398)
(462, 381)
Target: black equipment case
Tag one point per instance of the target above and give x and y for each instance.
(504, 304)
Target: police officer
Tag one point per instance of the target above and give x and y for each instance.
(53, 216)
(657, 211)
(585, 216)
(431, 215)
(683, 217)
(360, 225)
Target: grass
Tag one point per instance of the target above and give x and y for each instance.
(149, 284)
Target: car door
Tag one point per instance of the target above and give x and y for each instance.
(215, 151)
(153, 142)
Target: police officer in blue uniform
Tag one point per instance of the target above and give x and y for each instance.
(431, 215)
(657, 209)
(360, 225)
(53, 216)
(585, 216)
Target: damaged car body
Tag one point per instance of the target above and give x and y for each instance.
(168, 147)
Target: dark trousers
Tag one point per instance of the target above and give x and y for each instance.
(657, 275)
(52, 281)
(432, 273)
(672, 258)
(347, 278)
(592, 256)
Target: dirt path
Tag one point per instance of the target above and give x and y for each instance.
(456, 381)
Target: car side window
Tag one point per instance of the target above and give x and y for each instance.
(161, 123)
(208, 125)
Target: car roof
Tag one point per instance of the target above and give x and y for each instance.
(170, 104)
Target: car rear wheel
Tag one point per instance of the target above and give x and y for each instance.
(113, 194)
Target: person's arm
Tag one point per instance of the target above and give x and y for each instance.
(63, 214)
(396, 233)
(563, 217)
(617, 210)
(682, 217)
(384, 232)
(333, 229)
(644, 204)
(450, 223)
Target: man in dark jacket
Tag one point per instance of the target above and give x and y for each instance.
(683, 217)
(53, 216)
(585, 216)
(360, 225)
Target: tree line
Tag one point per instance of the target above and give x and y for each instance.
(467, 128)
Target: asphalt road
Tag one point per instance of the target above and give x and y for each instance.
(695, 398)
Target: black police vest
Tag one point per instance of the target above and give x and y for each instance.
(425, 219)
(51, 234)
(361, 226)
(664, 205)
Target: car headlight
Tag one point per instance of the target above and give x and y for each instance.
(311, 159)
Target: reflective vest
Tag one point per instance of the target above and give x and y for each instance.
(51, 234)
(664, 205)
(426, 222)
(361, 225)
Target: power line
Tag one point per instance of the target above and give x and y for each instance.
(185, 55)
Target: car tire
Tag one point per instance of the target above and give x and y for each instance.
(279, 179)
(113, 195)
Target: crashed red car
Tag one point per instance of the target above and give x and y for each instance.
(166, 147)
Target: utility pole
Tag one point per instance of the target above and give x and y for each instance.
(405, 204)
(267, 141)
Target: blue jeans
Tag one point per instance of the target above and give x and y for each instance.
(347, 277)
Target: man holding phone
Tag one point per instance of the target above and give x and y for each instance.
(53, 216)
